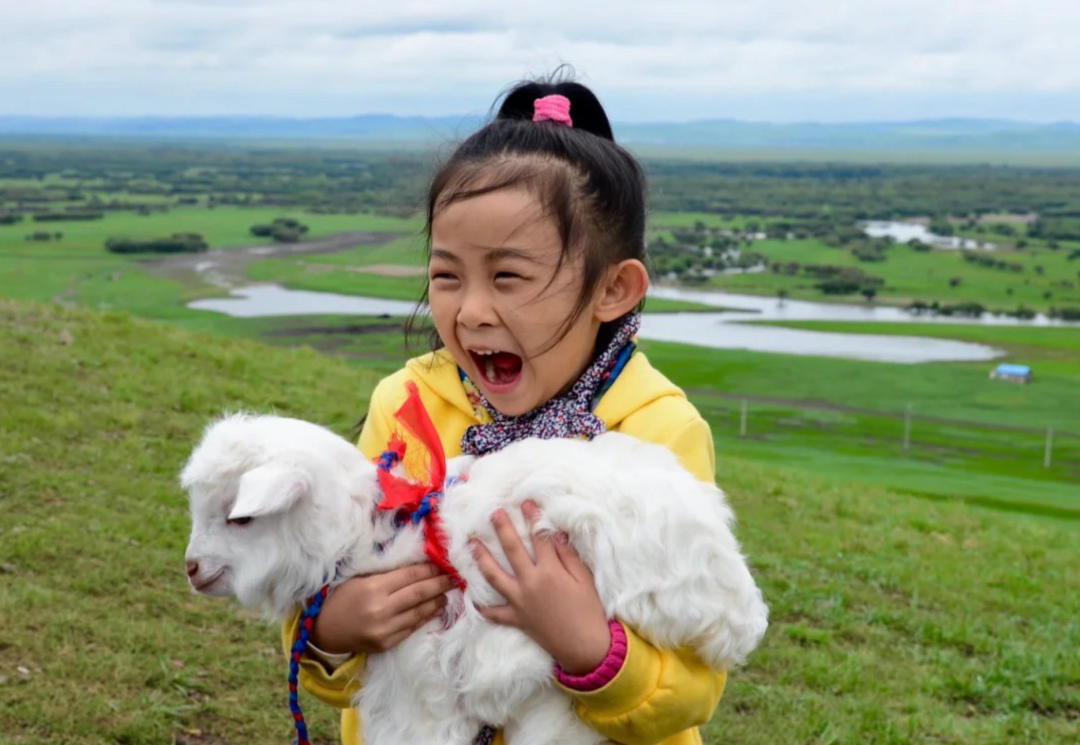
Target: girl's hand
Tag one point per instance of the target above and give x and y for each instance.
(552, 599)
(375, 613)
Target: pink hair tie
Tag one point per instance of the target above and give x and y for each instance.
(552, 109)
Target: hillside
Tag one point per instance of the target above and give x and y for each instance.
(894, 619)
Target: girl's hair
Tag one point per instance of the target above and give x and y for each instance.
(592, 188)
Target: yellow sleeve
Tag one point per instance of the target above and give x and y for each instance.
(336, 688)
(655, 695)
(339, 687)
(693, 444)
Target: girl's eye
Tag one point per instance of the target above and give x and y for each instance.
(441, 275)
(239, 521)
(507, 275)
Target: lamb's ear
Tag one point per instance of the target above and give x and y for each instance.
(268, 490)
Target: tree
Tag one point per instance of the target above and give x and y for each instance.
(781, 295)
(941, 226)
(954, 281)
(869, 293)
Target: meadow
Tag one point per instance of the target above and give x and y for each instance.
(919, 594)
(893, 620)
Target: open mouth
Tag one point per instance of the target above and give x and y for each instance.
(500, 371)
(206, 584)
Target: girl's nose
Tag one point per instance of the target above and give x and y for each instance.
(476, 310)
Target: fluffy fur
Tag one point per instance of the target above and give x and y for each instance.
(658, 541)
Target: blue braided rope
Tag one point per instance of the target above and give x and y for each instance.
(388, 460)
(307, 620)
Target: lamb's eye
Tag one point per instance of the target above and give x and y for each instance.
(239, 521)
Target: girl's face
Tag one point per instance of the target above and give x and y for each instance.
(499, 301)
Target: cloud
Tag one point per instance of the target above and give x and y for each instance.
(651, 60)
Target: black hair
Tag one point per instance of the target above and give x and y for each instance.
(593, 188)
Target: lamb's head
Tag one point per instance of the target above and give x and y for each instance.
(275, 503)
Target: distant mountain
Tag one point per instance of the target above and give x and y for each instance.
(937, 134)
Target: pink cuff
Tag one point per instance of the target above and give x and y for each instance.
(606, 670)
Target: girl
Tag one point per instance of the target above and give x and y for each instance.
(536, 276)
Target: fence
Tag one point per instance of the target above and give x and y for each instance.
(1024, 452)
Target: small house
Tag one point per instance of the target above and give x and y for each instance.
(1011, 373)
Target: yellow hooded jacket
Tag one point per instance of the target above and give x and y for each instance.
(658, 696)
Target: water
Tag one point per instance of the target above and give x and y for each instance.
(902, 232)
(255, 301)
(727, 330)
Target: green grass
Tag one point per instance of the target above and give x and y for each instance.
(77, 269)
(893, 620)
(222, 227)
(668, 220)
(1040, 342)
(948, 390)
(910, 275)
(664, 305)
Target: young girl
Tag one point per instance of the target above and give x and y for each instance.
(536, 276)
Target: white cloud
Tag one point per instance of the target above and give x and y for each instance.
(650, 60)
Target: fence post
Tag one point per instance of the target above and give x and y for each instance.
(1049, 446)
(742, 420)
(907, 427)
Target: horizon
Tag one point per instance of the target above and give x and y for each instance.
(446, 117)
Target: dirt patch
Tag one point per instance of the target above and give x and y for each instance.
(224, 267)
(349, 330)
(389, 270)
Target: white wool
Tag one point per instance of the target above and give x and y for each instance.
(658, 541)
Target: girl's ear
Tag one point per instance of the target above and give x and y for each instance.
(623, 289)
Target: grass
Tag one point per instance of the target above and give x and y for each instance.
(222, 227)
(77, 269)
(893, 620)
(1040, 342)
(910, 275)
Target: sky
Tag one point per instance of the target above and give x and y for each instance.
(663, 60)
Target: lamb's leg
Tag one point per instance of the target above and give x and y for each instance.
(549, 719)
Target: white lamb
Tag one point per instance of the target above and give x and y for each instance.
(277, 504)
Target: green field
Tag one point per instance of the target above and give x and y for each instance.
(835, 418)
(893, 620)
(910, 275)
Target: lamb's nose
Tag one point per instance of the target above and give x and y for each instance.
(192, 568)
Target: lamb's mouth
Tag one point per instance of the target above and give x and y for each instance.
(206, 584)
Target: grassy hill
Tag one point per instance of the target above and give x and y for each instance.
(894, 620)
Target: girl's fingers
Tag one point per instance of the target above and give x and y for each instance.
(541, 541)
(395, 639)
(416, 616)
(504, 615)
(419, 594)
(401, 577)
(519, 558)
(570, 559)
(502, 582)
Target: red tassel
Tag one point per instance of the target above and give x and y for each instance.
(399, 493)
